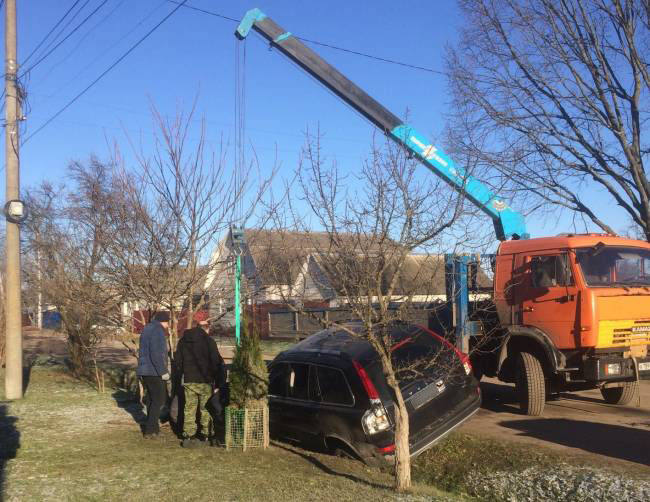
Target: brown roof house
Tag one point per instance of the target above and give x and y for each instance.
(312, 269)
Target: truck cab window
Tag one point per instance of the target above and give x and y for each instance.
(614, 266)
(550, 271)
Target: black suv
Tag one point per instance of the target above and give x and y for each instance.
(328, 391)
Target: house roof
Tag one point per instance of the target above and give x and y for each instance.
(273, 258)
(279, 256)
(418, 275)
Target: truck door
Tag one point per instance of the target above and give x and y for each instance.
(549, 298)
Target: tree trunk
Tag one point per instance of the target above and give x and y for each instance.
(402, 450)
(77, 354)
(172, 329)
(190, 308)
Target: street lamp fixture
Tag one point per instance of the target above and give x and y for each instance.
(15, 211)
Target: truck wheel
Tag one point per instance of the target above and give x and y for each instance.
(530, 384)
(620, 395)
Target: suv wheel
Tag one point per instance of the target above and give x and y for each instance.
(341, 449)
(620, 395)
(530, 384)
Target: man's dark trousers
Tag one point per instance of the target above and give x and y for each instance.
(157, 392)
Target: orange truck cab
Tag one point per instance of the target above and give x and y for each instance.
(574, 312)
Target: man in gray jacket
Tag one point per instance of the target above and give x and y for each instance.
(153, 369)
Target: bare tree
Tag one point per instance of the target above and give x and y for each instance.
(369, 224)
(69, 228)
(553, 94)
(179, 199)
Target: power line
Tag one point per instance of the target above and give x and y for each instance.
(63, 29)
(370, 56)
(50, 32)
(180, 4)
(204, 11)
(323, 44)
(74, 30)
(122, 38)
(80, 42)
(104, 73)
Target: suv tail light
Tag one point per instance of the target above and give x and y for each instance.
(375, 419)
(365, 380)
(464, 358)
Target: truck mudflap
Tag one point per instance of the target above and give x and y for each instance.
(555, 359)
(615, 368)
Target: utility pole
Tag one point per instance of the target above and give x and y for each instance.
(13, 213)
(39, 315)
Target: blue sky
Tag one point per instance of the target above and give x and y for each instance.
(193, 53)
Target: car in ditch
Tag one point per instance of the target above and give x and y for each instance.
(329, 392)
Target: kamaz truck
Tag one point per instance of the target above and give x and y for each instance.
(569, 312)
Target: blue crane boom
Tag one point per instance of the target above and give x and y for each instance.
(508, 223)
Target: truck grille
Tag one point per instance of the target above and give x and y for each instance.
(636, 333)
(623, 333)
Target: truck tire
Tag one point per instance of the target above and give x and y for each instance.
(620, 395)
(530, 384)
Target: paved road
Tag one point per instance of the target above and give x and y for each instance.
(578, 423)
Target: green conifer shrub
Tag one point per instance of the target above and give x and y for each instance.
(249, 377)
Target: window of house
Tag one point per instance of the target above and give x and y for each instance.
(333, 386)
(550, 271)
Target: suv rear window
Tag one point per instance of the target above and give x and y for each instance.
(420, 354)
(333, 385)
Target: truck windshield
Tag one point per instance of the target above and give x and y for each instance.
(614, 266)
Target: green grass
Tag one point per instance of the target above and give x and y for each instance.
(461, 456)
(77, 444)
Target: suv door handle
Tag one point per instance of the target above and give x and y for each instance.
(529, 309)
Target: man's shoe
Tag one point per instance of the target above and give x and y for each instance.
(194, 442)
(153, 435)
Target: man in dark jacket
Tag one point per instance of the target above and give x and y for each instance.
(203, 371)
(153, 370)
